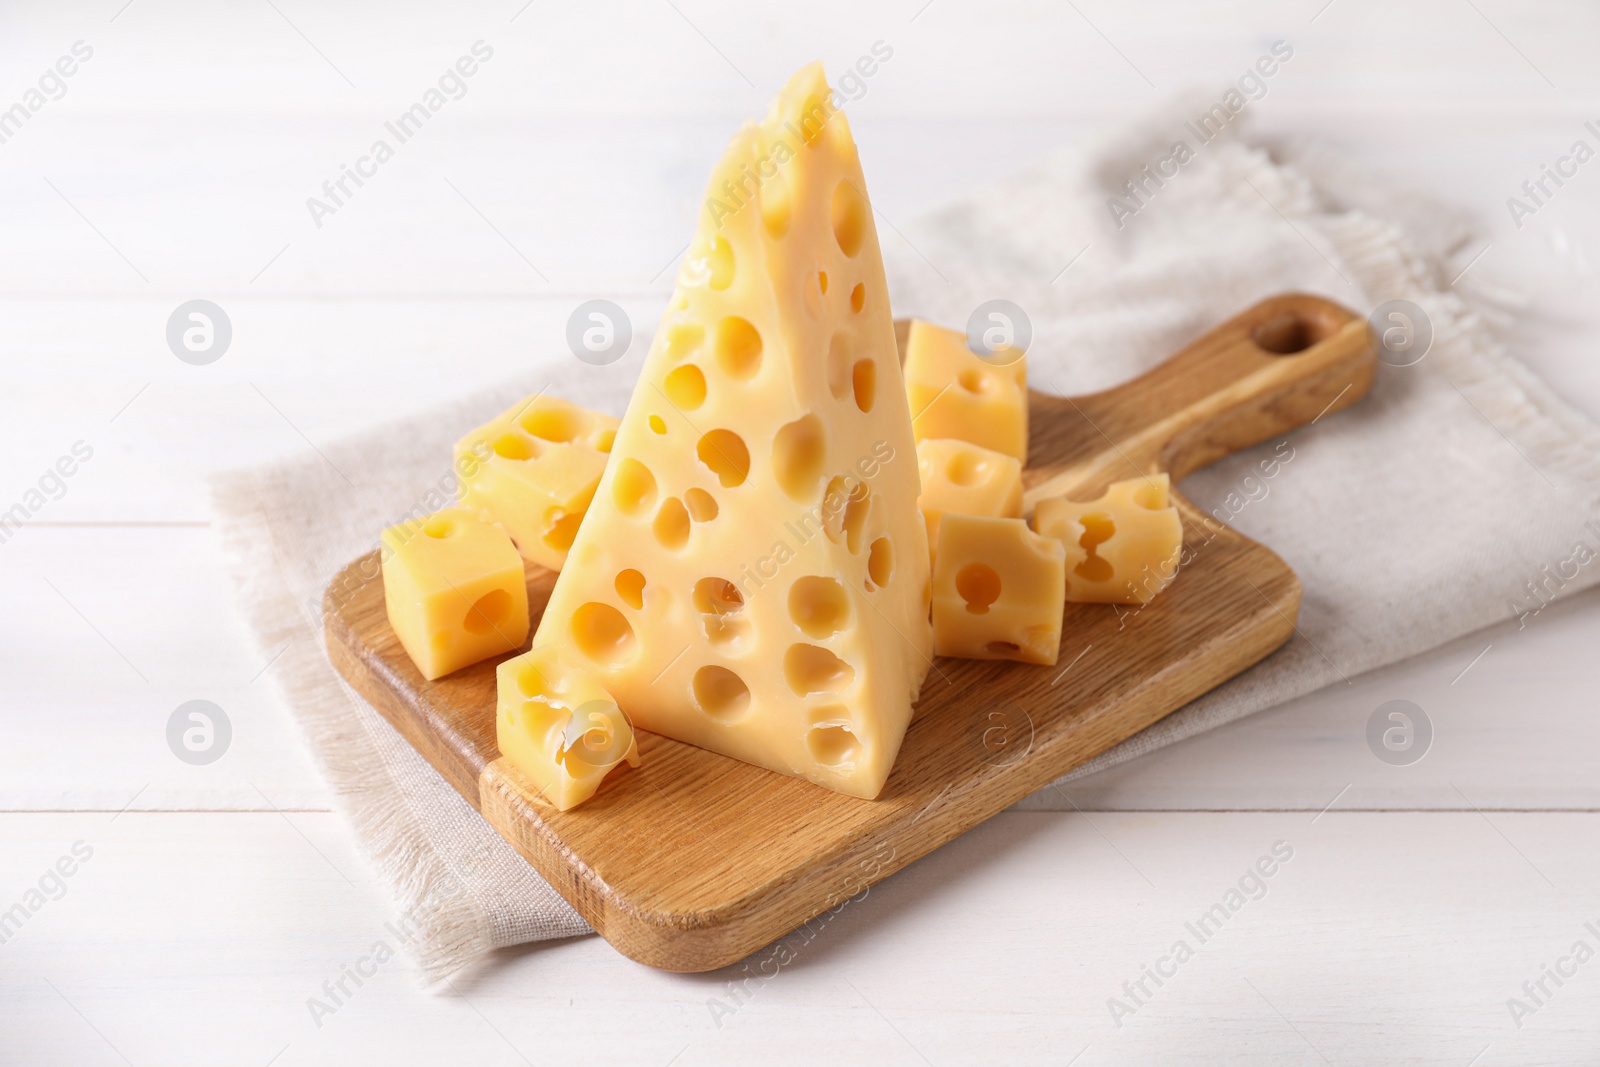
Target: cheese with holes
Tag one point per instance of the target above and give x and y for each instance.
(752, 574)
(964, 478)
(1122, 548)
(454, 590)
(997, 591)
(533, 469)
(955, 393)
(558, 728)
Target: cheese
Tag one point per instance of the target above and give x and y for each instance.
(957, 394)
(454, 590)
(752, 574)
(533, 469)
(997, 591)
(966, 479)
(1122, 548)
(558, 727)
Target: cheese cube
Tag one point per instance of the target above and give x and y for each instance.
(454, 590)
(997, 591)
(558, 728)
(750, 576)
(533, 469)
(965, 479)
(956, 393)
(1122, 548)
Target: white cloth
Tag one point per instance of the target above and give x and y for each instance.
(1412, 518)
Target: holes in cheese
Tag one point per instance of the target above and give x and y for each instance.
(558, 730)
(489, 612)
(855, 516)
(845, 509)
(533, 683)
(719, 262)
(969, 467)
(671, 525)
(560, 528)
(702, 505)
(864, 383)
(721, 605)
(717, 596)
(849, 215)
(453, 590)
(658, 424)
(725, 453)
(1097, 529)
(963, 478)
(737, 347)
(720, 693)
(513, 446)
(630, 587)
(819, 606)
(799, 451)
(602, 634)
(1152, 495)
(833, 743)
(977, 381)
(686, 387)
(813, 669)
(559, 424)
(633, 487)
(979, 586)
(533, 469)
(998, 590)
(788, 385)
(880, 562)
(1122, 548)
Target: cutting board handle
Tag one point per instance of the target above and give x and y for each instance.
(1286, 362)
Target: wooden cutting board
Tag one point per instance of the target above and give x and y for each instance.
(695, 860)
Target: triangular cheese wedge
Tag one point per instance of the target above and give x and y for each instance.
(752, 575)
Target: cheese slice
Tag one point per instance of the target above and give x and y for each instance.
(752, 576)
(965, 479)
(454, 590)
(997, 591)
(533, 469)
(1122, 548)
(558, 728)
(955, 393)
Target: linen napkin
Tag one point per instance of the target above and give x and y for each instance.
(1427, 511)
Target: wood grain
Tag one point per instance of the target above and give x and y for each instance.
(694, 860)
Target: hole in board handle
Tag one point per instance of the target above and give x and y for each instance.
(1288, 334)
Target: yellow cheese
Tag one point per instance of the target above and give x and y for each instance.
(454, 590)
(558, 727)
(955, 393)
(1122, 548)
(997, 591)
(751, 577)
(533, 469)
(966, 479)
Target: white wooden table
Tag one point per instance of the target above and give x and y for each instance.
(217, 900)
